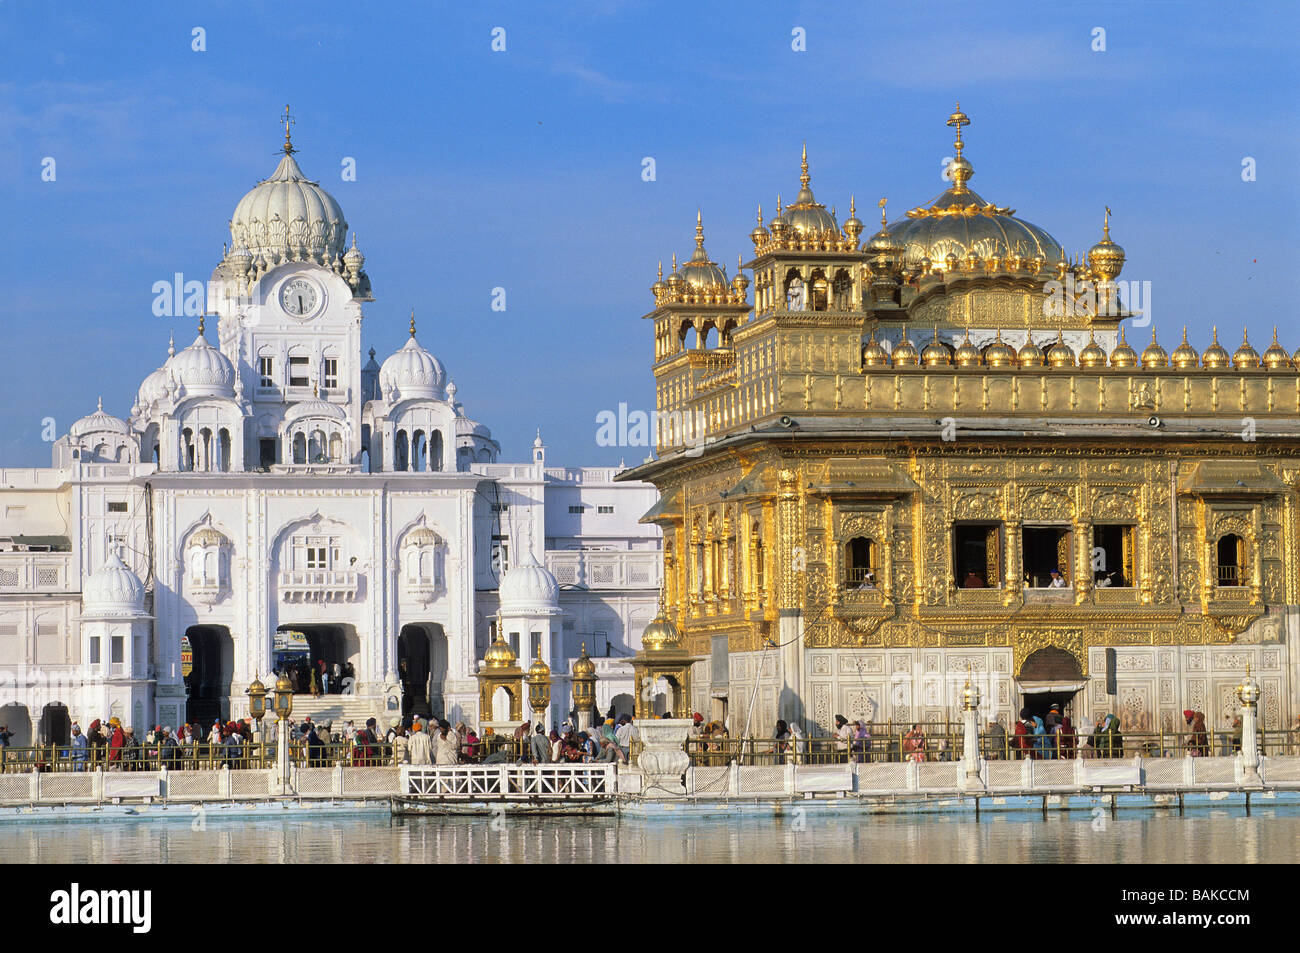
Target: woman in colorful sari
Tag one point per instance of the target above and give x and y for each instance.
(1066, 738)
(914, 744)
(1199, 742)
(1040, 738)
(862, 742)
(1022, 732)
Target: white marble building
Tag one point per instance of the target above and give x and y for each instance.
(275, 481)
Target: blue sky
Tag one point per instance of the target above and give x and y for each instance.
(522, 169)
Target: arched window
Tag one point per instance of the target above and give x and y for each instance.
(400, 450)
(316, 447)
(1232, 560)
(223, 449)
(299, 448)
(419, 451)
(841, 291)
(435, 451)
(820, 290)
(796, 295)
(860, 563)
(336, 448)
(187, 449)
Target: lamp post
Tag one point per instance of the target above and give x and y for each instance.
(584, 688)
(539, 689)
(257, 705)
(970, 754)
(1248, 694)
(283, 698)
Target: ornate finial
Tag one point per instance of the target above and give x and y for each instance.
(1275, 334)
(674, 263)
(1122, 338)
(288, 121)
(200, 325)
(957, 120)
(100, 405)
(1245, 339)
(661, 269)
(804, 177)
(882, 203)
(1216, 334)
(315, 389)
(1105, 228)
(699, 229)
(1184, 334)
(853, 206)
(171, 345)
(740, 262)
(412, 322)
(372, 353)
(760, 215)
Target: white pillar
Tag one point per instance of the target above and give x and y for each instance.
(1248, 694)
(970, 751)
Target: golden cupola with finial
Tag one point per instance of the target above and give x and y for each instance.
(1216, 356)
(1185, 357)
(935, 353)
(700, 272)
(1029, 355)
(1153, 355)
(1276, 357)
(1245, 357)
(1000, 353)
(1060, 354)
(1106, 259)
(1092, 354)
(873, 355)
(967, 354)
(660, 635)
(499, 655)
(1122, 355)
(805, 216)
(904, 353)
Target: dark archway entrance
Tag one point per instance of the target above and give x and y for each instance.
(208, 685)
(1049, 676)
(56, 725)
(335, 645)
(422, 665)
(17, 719)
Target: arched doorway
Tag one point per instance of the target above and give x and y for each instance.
(422, 666)
(335, 645)
(17, 719)
(207, 687)
(1049, 676)
(56, 725)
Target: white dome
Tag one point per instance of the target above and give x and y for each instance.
(412, 372)
(202, 370)
(113, 589)
(98, 422)
(529, 587)
(153, 389)
(288, 217)
(316, 407)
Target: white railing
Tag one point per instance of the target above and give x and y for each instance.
(320, 585)
(606, 570)
(510, 782)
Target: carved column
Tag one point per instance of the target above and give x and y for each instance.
(1083, 560)
(1015, 587)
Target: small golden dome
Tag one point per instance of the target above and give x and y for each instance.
(1154, 356)
(904, 353)
(935, 354)
(1029, 354)
(1060, 354)
(539, 670)
(1123, 355)
(256, 688)
(584, 667)
(1106, 259)
(1215, 357)
(1245, 356)
(873, 355)
(1276, 357)
(499, 654)
(1092, 354)
(660, 635)
(1185, 356)
(283, 685)
(1000, 353)
(658, 288)
(968, 355)
(759, 235)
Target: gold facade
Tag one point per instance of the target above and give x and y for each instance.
(788, 432)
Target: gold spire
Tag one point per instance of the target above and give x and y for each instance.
(200, 325)
(853, 206)
(288, 121)
(412, 322)
(699, 229)
(661, 269)
(804, 177)
(778, 204)
(882, 203)
(1105, 228)
(957, 120)
(760, 214)
(674, 263)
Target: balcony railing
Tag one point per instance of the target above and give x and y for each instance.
(320, 585)
(1232, 576)
(606, 570)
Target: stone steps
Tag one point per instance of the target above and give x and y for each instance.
(338, 709)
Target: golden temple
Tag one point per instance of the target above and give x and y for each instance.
(935, 449)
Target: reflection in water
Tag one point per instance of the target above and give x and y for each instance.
(1268, 836)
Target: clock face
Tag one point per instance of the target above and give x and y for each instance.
(299, 298)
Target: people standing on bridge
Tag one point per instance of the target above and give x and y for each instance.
(1106, 738)
(625, 733)
(539, 748)
(116, 739)
(914, 744)
(1198, 742)
(798, 746)
(1067, 738)
(168, 749)
(446, 746)
(1024, 731)
(781, 740)
(80, 748)
(420, 745)
(401, 746)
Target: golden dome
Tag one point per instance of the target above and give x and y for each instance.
(1216, 356)
(1106, 259)
(660, 635)
(853, 227)
(1185, 356)
(676, 283)
(701, 272)
(935, 354)
(499, 654)
(873, 355)
(1276, 357)
(1245, 356)
(1092, 354)
(1060, 354)
(904, 353)
(658, 288)
(805, 216)
(584, 667)
(283, 685)
(1000, 353)
(968, 355)
(960, 224)
(256, 688)
(760, 234)
(1029, 354)
(539, 670)
(1123, 355)
(1155, 356)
